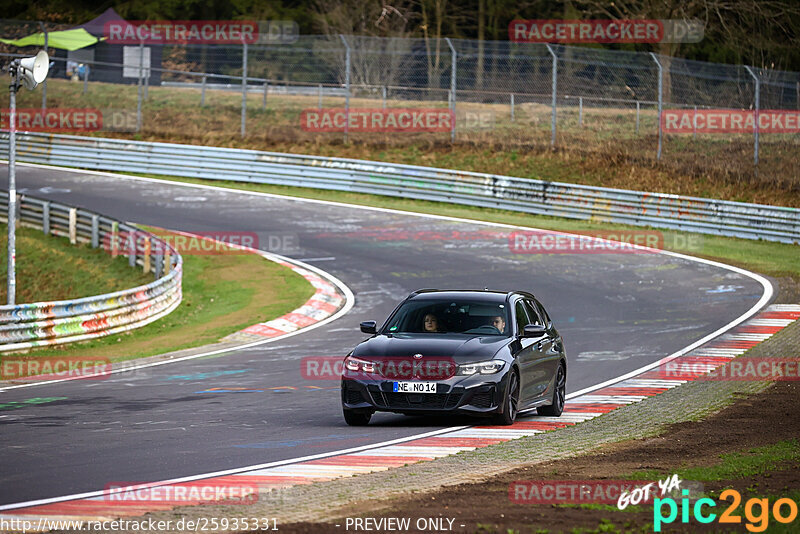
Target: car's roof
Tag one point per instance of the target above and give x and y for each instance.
(475, 294)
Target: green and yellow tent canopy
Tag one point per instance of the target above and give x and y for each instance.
(64, 40)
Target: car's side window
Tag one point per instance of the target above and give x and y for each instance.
(533, 313)
(522, 317)
(543, 313)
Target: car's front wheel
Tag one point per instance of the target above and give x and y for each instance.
(354, 418)
(510, 401)
(559, 395)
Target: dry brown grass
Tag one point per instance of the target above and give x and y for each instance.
(605, 150)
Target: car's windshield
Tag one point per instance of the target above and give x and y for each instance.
(459, 316)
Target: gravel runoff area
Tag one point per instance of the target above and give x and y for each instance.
(298, 508)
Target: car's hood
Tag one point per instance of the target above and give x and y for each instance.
(461, 348)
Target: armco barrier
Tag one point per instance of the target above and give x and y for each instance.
(719, 217)
(24, 326)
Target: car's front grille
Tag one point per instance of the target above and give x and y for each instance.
(434, 401)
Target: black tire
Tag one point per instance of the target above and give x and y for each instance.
(559, 395)
(510, 402)
(354, 418)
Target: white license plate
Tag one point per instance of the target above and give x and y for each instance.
(414, 387)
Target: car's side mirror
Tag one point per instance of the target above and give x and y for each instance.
(369, 327)
(534, 330)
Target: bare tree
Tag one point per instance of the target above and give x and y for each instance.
(740, 24)
(373, 61)
(433, 13)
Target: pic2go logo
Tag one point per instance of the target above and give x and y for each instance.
(756, 511)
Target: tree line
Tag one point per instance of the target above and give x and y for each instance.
(762, 33)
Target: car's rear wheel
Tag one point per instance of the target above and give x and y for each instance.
(559, 395)
(510, 402)
(354, 418)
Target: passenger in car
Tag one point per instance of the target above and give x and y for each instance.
(430, 323)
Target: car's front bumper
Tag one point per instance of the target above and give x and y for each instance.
(475, 395)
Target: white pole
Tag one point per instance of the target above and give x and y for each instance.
(244, 88)
(660, 102)
(12, 194)
(453, 85)
(347, 85)
(139, 89)
(554, 80)
(44, 83)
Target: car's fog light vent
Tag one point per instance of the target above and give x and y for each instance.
(354, 397)
(482, 399)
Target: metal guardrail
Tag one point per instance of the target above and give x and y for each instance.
(23, 326)
(708, 216)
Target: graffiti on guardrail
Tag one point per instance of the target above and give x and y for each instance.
(24, 326)
(529, 195)
(47, 323)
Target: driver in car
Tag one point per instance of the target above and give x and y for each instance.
(499, 323)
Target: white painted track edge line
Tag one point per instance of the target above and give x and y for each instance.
(226, 472)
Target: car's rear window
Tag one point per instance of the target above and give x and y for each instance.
(459, 316)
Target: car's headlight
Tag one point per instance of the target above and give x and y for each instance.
(483, 368)
(351, 364)
(355, 364)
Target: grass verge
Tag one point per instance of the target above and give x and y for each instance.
(49, 268)
(221, 295)
(736, 465)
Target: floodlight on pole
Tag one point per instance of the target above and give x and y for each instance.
(28, 72)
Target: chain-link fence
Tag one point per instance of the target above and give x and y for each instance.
(509, 95)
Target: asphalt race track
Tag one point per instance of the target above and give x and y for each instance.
(617, 312)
